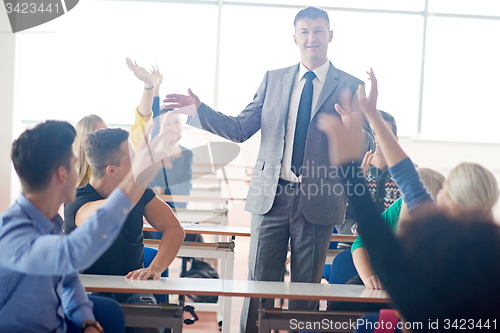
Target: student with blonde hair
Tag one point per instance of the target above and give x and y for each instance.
(87, 124)
(471, 190)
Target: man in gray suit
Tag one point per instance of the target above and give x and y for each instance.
(295, 195)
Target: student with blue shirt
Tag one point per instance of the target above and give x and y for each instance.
(39, 266)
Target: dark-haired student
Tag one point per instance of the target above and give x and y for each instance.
(444, 270)
(38, 265)
(107, 152)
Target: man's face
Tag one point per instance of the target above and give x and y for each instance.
(312, 37)
(125, 164)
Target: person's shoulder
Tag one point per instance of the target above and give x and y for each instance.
(343, 75)
(12, 214)
(186, 151)
(284, 70)
(84, 194)
(147, 196)
(87, 191)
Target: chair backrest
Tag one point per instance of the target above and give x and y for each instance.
(342, 268)
(149, 255)
(109, 314)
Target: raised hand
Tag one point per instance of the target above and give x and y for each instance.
(368, 104)
(179, 101)
(157, 77)
(141, 73)
(345, 144)
(367, 159)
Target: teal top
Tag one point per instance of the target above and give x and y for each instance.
(390, 216)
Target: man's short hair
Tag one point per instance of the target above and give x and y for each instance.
(39, 151)
(390, 119)
(312, 13)
(102, 148)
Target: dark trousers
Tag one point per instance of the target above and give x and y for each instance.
(271, 233)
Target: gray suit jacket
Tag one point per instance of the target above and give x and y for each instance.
(323, 196)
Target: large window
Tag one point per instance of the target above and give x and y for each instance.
(75, 65)
(436, 60)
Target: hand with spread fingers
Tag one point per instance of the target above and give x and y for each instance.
(345, 143)
(367, 159)
(141, 73)
(157, 78)
(368, 104)
(176, 101)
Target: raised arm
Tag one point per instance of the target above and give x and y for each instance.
(158, 79)
(236, 129)
(27, 250)
(147, 95)
(395, 274)
(400, 166)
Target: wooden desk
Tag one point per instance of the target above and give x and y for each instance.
(229, 230)
(269, 318)
(210, 229)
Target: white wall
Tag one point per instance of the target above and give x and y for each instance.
(7, 42)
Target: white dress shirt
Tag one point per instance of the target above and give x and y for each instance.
(298, 85)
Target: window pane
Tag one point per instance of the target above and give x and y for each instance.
(461, 80)
(392, 45)
(360, 41)
(413, 5)
(478, 7)
(75, 65)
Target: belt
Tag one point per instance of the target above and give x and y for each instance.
(292, 185)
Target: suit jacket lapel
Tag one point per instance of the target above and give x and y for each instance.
(288, 81)
(328, 87)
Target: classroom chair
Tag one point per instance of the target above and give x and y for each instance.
(342, 268)
(107, 312)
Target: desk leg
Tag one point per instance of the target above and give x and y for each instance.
(227, 273)
(264, 325)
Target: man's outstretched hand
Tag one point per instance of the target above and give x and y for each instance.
(176, 101)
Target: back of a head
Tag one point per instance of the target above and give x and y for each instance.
(312, 13)
(473, 187)
(457, 263)
(85, 125)
(39, 151)
(433, 180)
(102, 148)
